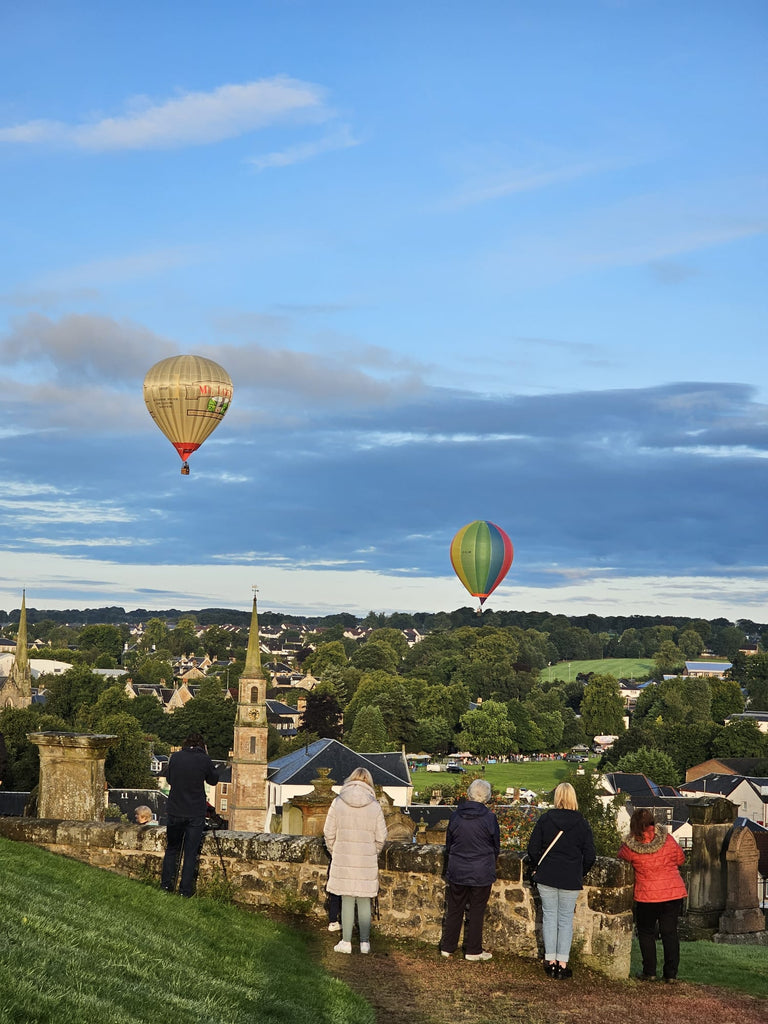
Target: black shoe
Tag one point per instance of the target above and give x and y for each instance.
(641, 976)
(562, 973)
(550, 969)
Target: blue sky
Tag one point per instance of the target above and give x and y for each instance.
(502, 260)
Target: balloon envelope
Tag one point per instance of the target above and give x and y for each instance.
(187, 397)
(481, 554)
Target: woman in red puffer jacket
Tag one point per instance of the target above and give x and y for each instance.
(659, 891)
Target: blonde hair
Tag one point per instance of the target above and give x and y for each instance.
(143, 814)
(361, 775)
(565, 796)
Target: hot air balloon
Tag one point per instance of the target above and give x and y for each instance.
(187, 397)
(481, 554)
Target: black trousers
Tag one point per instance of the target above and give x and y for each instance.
(186, 834)
(457, 899)
(666, 916)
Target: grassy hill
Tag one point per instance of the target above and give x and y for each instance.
(622, 668)
(83, 946)
(540, 776)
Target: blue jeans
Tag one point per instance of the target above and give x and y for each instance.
(557, 907)
(186, 833)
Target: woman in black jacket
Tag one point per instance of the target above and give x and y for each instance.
(471, 847)
(561, 850)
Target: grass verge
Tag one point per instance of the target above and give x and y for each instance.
(84, 946)
(738, 968)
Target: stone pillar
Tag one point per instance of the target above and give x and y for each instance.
(743, 920)
(400, 827)
(72, 781)
(712, 819)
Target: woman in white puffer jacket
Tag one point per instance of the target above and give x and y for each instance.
(355, 832)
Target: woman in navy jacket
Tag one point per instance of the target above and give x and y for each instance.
(559, 874)
(471, 847)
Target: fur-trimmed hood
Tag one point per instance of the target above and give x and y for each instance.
(637, 846)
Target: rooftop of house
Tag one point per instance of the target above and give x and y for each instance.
(301, 767)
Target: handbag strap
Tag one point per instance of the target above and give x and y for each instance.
(541, 858)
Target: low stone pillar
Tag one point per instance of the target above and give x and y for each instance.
(72, 781)
(712, 819)
(743, 921)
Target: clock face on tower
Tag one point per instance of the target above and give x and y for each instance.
(255, 714)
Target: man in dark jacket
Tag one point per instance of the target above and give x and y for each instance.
(471, 847)
(188, 771)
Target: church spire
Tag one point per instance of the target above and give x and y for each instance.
(253, 669)
(22, 654)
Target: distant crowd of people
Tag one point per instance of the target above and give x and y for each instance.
(561, 851)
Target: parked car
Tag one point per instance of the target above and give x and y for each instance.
(457, 769)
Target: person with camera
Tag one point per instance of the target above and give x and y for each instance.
(188, 771)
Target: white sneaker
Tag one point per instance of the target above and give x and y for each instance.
(444, 953)
(365, 947)
(485, 955)
(334, 926)
(343, 947)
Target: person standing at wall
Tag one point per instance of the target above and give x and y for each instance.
(355, 832)
(659, 891)
(472, 844)
(188, 771)
(561, 850)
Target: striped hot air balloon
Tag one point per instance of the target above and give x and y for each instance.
(481, 554)
(187, 397)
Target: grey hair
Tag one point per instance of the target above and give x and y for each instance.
(479, 790)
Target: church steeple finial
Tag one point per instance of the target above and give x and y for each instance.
(253, 669)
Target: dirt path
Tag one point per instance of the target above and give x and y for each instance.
(412, 984)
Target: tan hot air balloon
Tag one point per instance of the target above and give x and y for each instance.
(187, 397)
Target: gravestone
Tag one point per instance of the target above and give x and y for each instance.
(72, 781)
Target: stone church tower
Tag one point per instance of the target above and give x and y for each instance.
(248, 795)
(17, 692)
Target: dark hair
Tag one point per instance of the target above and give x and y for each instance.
(193, 740)
(641, 819)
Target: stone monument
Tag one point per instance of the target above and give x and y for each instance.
(72, 780)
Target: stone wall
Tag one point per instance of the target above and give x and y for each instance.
(289, 872)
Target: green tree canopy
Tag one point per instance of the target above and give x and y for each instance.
(654, 763)
(487, 730)
(602, 707)
(369, 734)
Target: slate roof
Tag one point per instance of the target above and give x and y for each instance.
(636, 784)
(300, 767)
(722, 785)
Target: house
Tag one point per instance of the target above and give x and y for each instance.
(726, 766)
(703, 669)
(293, 774)
(750, 795)
(284, 717)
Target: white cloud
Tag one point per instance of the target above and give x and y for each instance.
(342, 139)
(192, 118)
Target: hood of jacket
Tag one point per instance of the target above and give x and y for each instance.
(357, 794)
(470, 809)
(638, 846)
(564, 819)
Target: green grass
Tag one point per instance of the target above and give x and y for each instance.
(623, 668)
(540, 776)
(88, 947)
(741, 968)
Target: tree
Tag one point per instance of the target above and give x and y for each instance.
(669, 658)
(213, 717)
(602, 707)
(752, 672)
(740, 739)
(127, 763)
(74, 689)
(369, 733)
(155, 636)
(23, 767)
(657, 765)
(602, 818)
(375, 656)
(487, 730)
(322, 715)
(328, 655)
(726, 699)
(690, 643)
(99, 640)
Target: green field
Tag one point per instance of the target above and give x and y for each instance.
(540, 776)
(622, 668)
